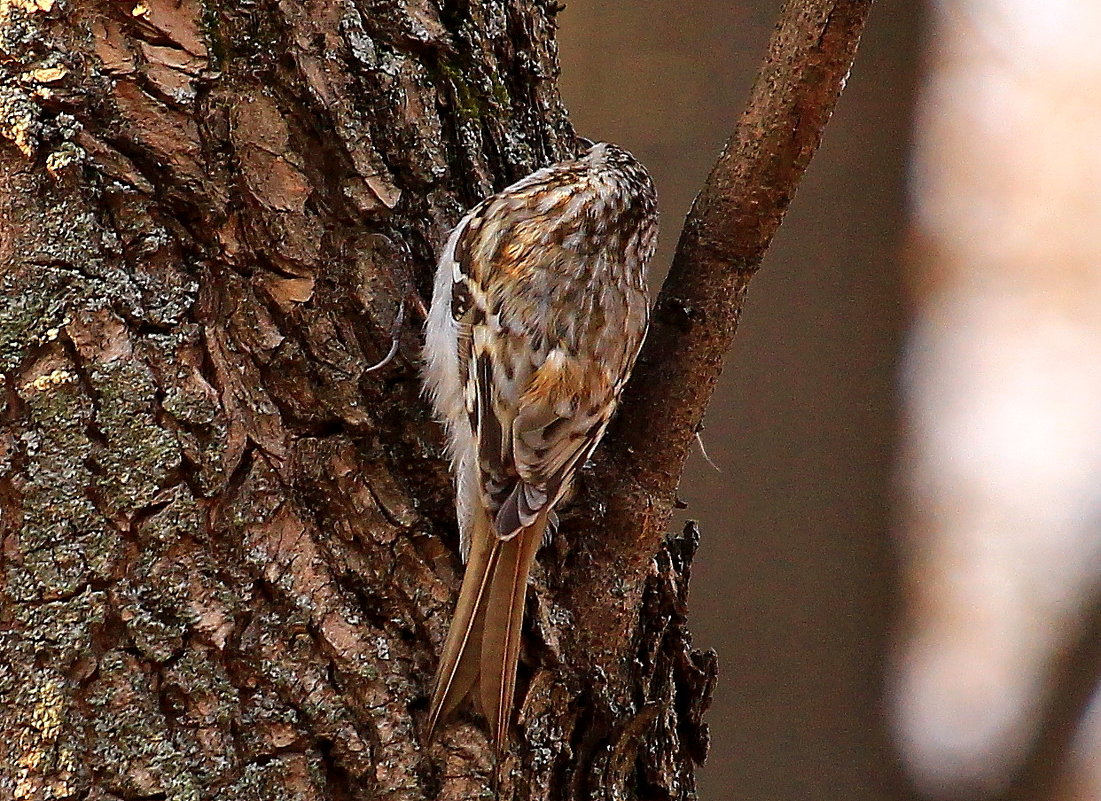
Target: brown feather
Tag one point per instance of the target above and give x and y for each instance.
(501, 631)
(460, 660)
(538, 310)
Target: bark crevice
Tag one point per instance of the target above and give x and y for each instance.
(228, 551)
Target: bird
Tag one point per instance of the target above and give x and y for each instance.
(539, 308)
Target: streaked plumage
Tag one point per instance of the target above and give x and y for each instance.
(538, 311)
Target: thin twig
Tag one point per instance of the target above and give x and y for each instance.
(728, 230)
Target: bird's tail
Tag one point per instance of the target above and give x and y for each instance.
(483, 644)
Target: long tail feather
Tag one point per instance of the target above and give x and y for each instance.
(504, 617)
(460, 660)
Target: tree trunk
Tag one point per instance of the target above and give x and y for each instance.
(228, 547)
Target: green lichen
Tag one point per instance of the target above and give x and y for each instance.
(131, 744)
(212, 697)
(262, 712)
(34, 302)
(278, 779)
(157, 596)
(471, 103)
(156, 613)
(63, 541)
(180, 519)
(206, 708)
(195, 408)
(61, 266)
(139, 452)
(63, 628)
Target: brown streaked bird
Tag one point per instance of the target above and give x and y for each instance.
(538, 312)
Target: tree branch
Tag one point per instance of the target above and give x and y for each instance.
(727, 232)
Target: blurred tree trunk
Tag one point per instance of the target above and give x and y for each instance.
(228, 551)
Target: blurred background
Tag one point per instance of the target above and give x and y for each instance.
(902, 551)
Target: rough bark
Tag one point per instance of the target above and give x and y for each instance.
(228, 551)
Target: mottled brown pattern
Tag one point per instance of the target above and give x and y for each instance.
(549, 276)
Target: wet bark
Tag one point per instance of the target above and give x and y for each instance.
(228, 550)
